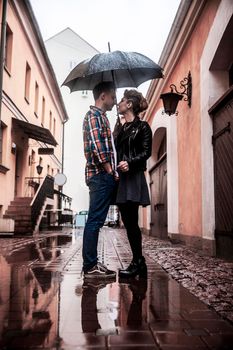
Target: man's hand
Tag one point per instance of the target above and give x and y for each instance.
(108, 168)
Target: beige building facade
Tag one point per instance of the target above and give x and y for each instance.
(190, 171)
(32, 118)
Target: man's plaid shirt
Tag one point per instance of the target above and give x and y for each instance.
(97, 140)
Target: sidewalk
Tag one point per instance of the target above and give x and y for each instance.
(44, 303)
(209, 279)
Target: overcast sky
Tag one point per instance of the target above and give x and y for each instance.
(129, 25)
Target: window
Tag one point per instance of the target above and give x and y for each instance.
(54, 126)
(162, 147)
(43, 111)
(231, 76)
(36, 99)
(50, 120)
(1, 142)
(48, 169)
(27, 82)
(2, 139)
(8, 48)
(32, 162)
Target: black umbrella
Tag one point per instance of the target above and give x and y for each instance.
(125, 69)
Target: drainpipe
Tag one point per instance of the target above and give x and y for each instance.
(2, 58)
(63, 145)
(60, 188)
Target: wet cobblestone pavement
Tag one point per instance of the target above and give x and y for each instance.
(210, 279)
(44, 303)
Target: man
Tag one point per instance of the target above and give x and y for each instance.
(100, 176)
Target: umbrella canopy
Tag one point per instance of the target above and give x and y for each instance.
(125, 69)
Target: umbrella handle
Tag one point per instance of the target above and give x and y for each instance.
(109, 50)
(117, 127)
(118, 118)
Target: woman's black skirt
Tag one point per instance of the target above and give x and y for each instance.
(133, 187)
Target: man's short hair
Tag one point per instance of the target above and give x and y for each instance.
(105, 86)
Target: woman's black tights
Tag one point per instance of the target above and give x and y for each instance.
(129, 215)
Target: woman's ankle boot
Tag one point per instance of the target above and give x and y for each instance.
(136, 268)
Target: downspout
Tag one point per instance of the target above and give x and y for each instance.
(63, 145)
(2, 59)
(60, 188)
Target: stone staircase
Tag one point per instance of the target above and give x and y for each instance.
(20, 211)
(27, 212)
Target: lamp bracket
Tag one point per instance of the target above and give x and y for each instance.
(186, 88)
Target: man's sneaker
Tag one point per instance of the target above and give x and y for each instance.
(99, 271)
(95, 284)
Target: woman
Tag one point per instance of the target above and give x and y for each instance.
(133, 145)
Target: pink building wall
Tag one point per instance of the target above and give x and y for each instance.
(188, 123)
(27, 49)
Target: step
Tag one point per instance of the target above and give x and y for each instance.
(23, 225)
(24, 201)
(18, 208)
(16, 203)
(23, 230)
(17, 216)
(20, 218)
(19, 199)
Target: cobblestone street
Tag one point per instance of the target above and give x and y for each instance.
(210, 279)
(44, 303)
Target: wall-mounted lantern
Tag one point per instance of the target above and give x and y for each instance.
(13, 148)
(171, 99)
(39, 169)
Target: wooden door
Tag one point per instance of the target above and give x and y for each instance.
(18, 172)
(158, 187)
(222, 114)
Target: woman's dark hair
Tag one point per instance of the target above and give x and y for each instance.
(105, 86)
(138, 101)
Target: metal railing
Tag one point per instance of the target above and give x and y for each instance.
(31, 185)
(45, 190)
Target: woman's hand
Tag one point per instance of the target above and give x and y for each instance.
(123, 166)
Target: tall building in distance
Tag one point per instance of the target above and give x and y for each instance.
(66, 49)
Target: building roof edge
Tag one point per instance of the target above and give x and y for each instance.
(171, 39)
(45, 54)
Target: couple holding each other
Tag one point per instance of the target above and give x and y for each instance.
(133, 141)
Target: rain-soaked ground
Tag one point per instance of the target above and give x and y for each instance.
(44, 303)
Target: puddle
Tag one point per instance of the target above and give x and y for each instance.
(44, 303)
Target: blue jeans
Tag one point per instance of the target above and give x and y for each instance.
(101, 188)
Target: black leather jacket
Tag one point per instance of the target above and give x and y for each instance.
(134, 143)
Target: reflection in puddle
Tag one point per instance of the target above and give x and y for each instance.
(44, 250)
(29, 295)
(136, 314)
(41, 308)
(99, 307)
(29, 308)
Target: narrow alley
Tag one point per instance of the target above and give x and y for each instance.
(44, 303)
